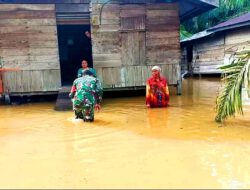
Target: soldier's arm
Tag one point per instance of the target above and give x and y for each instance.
(147, 94)
(99, 92)
(72, 91)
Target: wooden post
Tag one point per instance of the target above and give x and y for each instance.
(1, 77)
(179, 80)
(179, 87)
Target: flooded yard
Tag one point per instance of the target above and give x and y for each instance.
(128, 145)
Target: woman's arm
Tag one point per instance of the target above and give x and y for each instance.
(148, 94)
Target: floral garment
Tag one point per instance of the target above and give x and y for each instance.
(157, 93)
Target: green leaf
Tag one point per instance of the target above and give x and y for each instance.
(236, 75)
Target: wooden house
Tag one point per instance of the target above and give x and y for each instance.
(205, 51)
(45, 40)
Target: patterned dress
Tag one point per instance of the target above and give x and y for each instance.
(81, 70)
(157, 93)
(86, 92)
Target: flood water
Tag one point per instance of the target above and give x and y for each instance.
(128, 145)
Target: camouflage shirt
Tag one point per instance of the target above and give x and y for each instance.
(88, 91)
(81, 71)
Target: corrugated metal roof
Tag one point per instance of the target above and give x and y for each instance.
(232, 23)
(198, 35)
(240, 21)
(192, 8)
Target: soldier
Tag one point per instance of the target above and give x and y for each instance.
(86, 94)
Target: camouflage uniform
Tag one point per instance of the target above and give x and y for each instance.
(81, 71)
(85, 93)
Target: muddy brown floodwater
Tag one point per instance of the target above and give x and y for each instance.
(128, 145)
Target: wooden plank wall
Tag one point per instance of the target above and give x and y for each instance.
(162, 38)
(106, 43)
(131, 38)
(208, 54)
(133, 51)
(28, 41)
(236, 40)
(72, 14)
(184, 61)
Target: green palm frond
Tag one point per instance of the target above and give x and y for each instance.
(235, 76)
(183, 33)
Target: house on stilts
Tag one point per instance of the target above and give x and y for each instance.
(205, 51)
(44, 40)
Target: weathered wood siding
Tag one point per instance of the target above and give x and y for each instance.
(184, 61)
(211, 52)
(131, 38)
(162, 39)
(208, 54)
(74, 14)
(106, 44)
(28, 41)
(236, 40)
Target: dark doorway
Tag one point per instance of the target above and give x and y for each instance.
(74, 46)
(190, 53)
(189, 57)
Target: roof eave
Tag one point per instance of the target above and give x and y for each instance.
(193, 38)
(230, 27)
(192, 8)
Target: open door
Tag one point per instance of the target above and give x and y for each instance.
(73, 20)
(190, 58)
(74, 46)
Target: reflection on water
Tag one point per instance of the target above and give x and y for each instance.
(128, 146)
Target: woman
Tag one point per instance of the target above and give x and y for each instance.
(84, 68)
(157, 93)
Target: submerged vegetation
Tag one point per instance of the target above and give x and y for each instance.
(236, 76)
